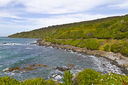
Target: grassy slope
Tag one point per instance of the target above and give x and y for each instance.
(108, 34)
(112, 27)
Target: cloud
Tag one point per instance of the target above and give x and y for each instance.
(8, 15)
(64, 19)
(123, 4)
(4, 2)
(58, 6)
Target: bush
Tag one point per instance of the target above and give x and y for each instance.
(106, 47)
(88, 77)
(8, 81)
(38, 81)
(67, 78)
(92, 44)
(124, 51)
(115, 48)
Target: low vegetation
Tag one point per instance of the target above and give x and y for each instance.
(86, 77)
(112, 45)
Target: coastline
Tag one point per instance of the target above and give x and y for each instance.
(115, 58)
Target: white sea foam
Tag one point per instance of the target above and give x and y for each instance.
(105, 66)
(6, 69)
(28, 48)
(58, 77)
(11, 44)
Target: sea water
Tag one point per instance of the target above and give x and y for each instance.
(19, 52)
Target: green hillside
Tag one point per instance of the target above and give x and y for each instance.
(108, 34)
(106, 28)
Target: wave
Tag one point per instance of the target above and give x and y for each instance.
(105, 65)
(11, 44)
(28, 48)
(22, 61)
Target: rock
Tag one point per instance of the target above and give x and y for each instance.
(4, 43)
(40, 65)
(8, 70)
(71, 66)
(125, 65)
(45, 65)
(12, 69)
(28, 68)
(61, 69)
(79, 50)
(33, 43)
(122, 58)
(16, 71)
(16, 68)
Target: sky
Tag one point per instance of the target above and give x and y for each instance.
(25, 15)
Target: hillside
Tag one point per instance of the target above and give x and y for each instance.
(108, 34)
(106, 28)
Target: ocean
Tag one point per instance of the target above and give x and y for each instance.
(35, 61)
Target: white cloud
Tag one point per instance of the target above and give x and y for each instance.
(123, 4)
(61, 6)
(63, 19)
(8, 15)
(5, 2)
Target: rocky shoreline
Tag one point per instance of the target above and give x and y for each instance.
(115, 58)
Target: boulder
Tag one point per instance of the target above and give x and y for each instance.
(122, 58)
(125, 65)
(61, 69)
(71, 66)
(45, 65)
(40, 65)
(8, 70)
(16, 68)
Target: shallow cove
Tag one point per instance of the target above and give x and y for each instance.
(20, 53)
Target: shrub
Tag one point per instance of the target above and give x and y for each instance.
(113, 79)
(8, 81)
(88, 77)
(115, 48)
(92, 44)
(124, 51)
(106, 47)
(67, 78)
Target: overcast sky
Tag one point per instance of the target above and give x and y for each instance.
(25, 15)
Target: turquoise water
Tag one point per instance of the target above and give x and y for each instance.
(15, 52)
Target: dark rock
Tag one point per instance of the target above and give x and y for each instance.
(45, 65)
(71, 66)
(61, 69)
(40, 65)
(16, 68)
(8, 70)
(4, 43)
(33, 43)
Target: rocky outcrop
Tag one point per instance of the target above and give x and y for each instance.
(116, 57)
(27, 68)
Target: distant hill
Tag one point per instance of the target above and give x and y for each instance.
(106, 28)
